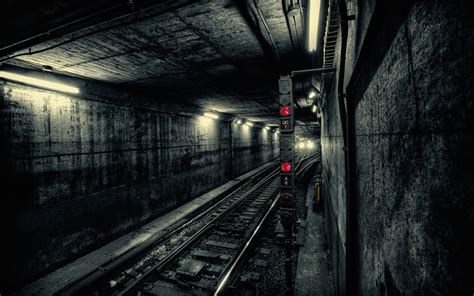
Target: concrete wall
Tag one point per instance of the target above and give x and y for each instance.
(414, 150)
(82, 170)
(333, 174)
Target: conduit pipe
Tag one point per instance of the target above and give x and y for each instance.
(131, 17)
(348, 130)
(53, 31)
(58, 31)
(267, 29)
(250, 15)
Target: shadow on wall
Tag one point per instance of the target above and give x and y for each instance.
(80, 172)
(414, 149)
(16, 187)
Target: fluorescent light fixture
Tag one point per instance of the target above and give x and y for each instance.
(312, 94)
(314, 7)
(314, 109)
(239, 121)
(211, 115)
(249, 123)
(39, 82)
(267, 127)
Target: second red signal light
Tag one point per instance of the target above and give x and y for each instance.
(285, 111)
(286, 167)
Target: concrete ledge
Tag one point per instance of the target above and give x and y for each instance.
(313, 274)
(78, 269)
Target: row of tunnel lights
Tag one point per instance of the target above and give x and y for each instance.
(66, 88)
(301, 143)
(284, 111)
(239, 121)
(74, 90)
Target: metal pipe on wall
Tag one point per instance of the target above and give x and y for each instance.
(348, 129)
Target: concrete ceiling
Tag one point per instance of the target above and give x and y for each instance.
(221, 55)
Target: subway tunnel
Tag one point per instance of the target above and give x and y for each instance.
(246, 147)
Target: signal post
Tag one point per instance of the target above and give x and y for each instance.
(287, 172)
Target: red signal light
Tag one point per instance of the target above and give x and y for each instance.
(285, 111)
(286, 167)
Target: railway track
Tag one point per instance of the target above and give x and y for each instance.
(200, 256)
(230, 277)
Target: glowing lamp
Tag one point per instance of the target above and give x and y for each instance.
(39, 82)
(286, 167)
(211, 115)
(314, 9)
(285, 111)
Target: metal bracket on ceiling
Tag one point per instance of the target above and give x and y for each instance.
(312, 71)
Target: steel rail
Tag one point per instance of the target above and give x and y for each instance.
(195, 236)
(170, 257)
(232, 272)
(88, 280)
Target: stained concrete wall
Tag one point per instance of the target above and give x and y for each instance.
(333, 175)
(82, 170)
(414, 151)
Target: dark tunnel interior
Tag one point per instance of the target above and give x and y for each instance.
(237, 147)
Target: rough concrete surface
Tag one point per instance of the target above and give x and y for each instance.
(313, 271)
(64, 276)
(82, 172)
(414, 144)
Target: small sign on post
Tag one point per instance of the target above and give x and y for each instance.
(287, 148)
(287, 172)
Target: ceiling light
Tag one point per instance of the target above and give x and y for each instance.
(249, 123)
(312, 94)
(239, 121)
(39, 82)
(211, 115)
(310, 144)
(267, 127)
(314, 7)
(314, 109)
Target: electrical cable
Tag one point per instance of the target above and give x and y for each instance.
(75, 38)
